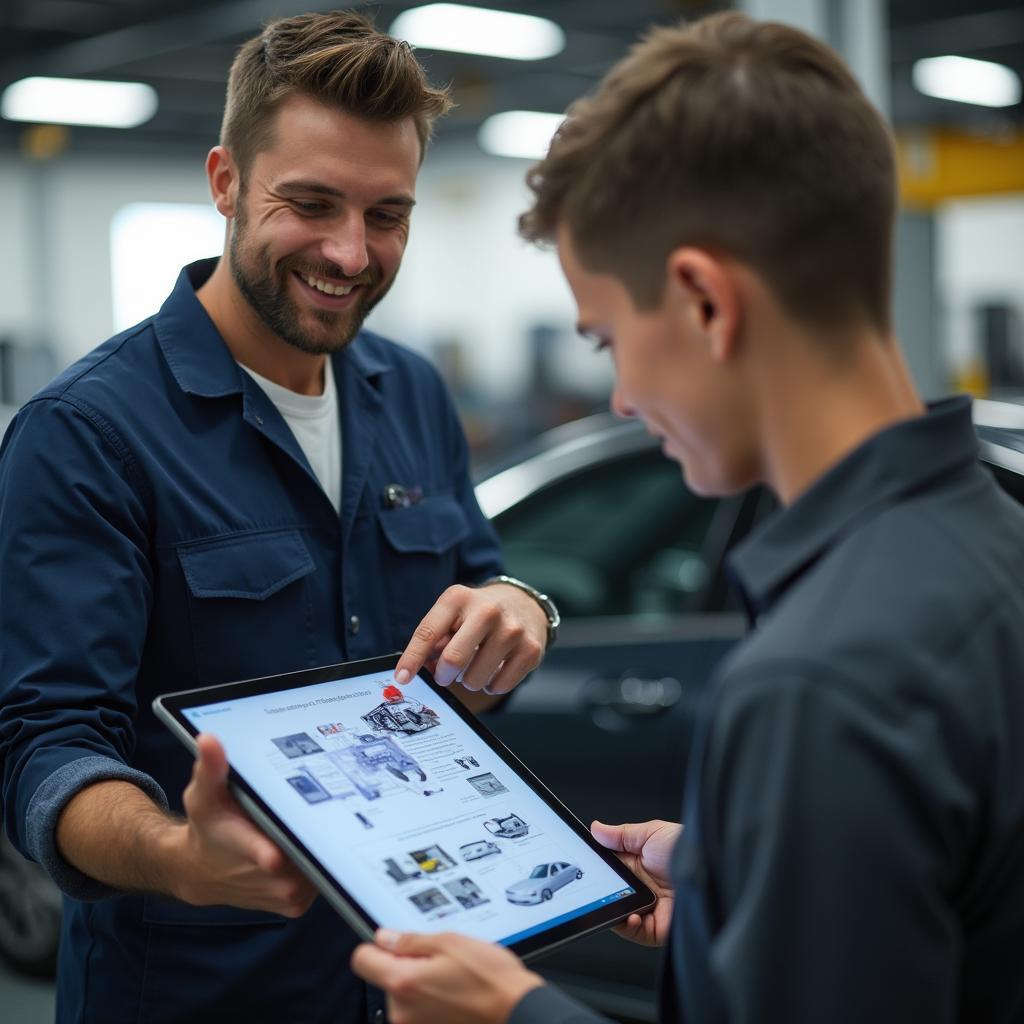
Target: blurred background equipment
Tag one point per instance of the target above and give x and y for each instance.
(26, 365)
(29, 915)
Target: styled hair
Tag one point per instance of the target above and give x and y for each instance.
(338, 58)
(747, 138)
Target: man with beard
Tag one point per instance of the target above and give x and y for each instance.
(244, 484)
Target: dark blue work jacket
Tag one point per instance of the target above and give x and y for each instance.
(161, 529)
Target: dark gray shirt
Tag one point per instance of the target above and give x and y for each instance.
(854, 844)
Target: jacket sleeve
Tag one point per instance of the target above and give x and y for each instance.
(75, 598)
(548, 1005)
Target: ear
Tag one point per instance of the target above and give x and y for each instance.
(707, 288)
(222, 175)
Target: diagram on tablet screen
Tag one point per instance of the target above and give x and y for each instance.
(411, 809)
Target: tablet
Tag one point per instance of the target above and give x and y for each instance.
(404, 810)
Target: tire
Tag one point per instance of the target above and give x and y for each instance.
(29, 915)
(579, 875)
(546, 895)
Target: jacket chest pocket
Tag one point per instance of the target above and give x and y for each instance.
(250, 604)
(420, 553)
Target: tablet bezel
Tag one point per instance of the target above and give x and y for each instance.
(169, 709)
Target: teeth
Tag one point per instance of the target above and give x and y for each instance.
(326, 287)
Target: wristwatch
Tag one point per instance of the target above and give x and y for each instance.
(549, 606)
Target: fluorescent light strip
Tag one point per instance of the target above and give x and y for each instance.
(479, 30)
(967, 80)
(79, 101)
(525, 134)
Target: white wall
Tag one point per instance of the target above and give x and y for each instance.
(61, 229)
(16, 266)
(979, 259)
(466, 274)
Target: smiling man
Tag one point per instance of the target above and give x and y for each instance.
(853, 848)
(245, 484)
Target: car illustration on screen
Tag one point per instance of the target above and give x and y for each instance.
(544, 881)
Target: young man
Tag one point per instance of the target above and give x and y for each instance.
(244, 484)
(853, 847)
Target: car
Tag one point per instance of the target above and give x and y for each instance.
(543, 882)
(596, 516)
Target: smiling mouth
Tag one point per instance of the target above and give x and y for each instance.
(326, 287)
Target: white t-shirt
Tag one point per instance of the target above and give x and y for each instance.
(315, 422)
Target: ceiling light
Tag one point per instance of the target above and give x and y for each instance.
(79, 101)
(479, 30)
(520, 133)
(967, 80)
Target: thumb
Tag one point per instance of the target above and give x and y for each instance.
(609, 836)
(210, 770)
(631, 837)
(411, 943)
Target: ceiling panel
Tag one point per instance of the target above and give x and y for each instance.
(184, 48)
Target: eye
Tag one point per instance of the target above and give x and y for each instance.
(387, 218)
(309, 206)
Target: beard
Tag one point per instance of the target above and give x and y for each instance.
(266, 291)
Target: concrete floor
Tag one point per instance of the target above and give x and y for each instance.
(25, 1000)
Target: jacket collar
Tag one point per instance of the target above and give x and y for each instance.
(200, 361)
(885, 469)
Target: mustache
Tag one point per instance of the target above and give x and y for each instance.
(332, 272)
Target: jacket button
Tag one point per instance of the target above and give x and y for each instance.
(378, 1017)
(353, 628)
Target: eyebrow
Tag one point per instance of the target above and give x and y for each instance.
(296, 188)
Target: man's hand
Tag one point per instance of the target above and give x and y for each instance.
(492, 636)
(224, 857)
(113, 832)
(646, 850)
(447, 977)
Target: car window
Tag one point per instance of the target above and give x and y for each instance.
(540, 871)
(1010, 482)
(620, 537)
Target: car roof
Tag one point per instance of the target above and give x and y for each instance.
(604, 437)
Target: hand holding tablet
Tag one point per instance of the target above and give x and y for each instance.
(404, 811)
(224, 857)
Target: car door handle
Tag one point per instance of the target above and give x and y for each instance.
(631, 695)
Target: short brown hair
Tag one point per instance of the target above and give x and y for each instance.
(337, 58)
(746, 137)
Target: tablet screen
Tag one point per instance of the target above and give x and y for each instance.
(415, 815)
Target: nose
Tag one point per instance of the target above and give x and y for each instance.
(620, 406)
(345, 246)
